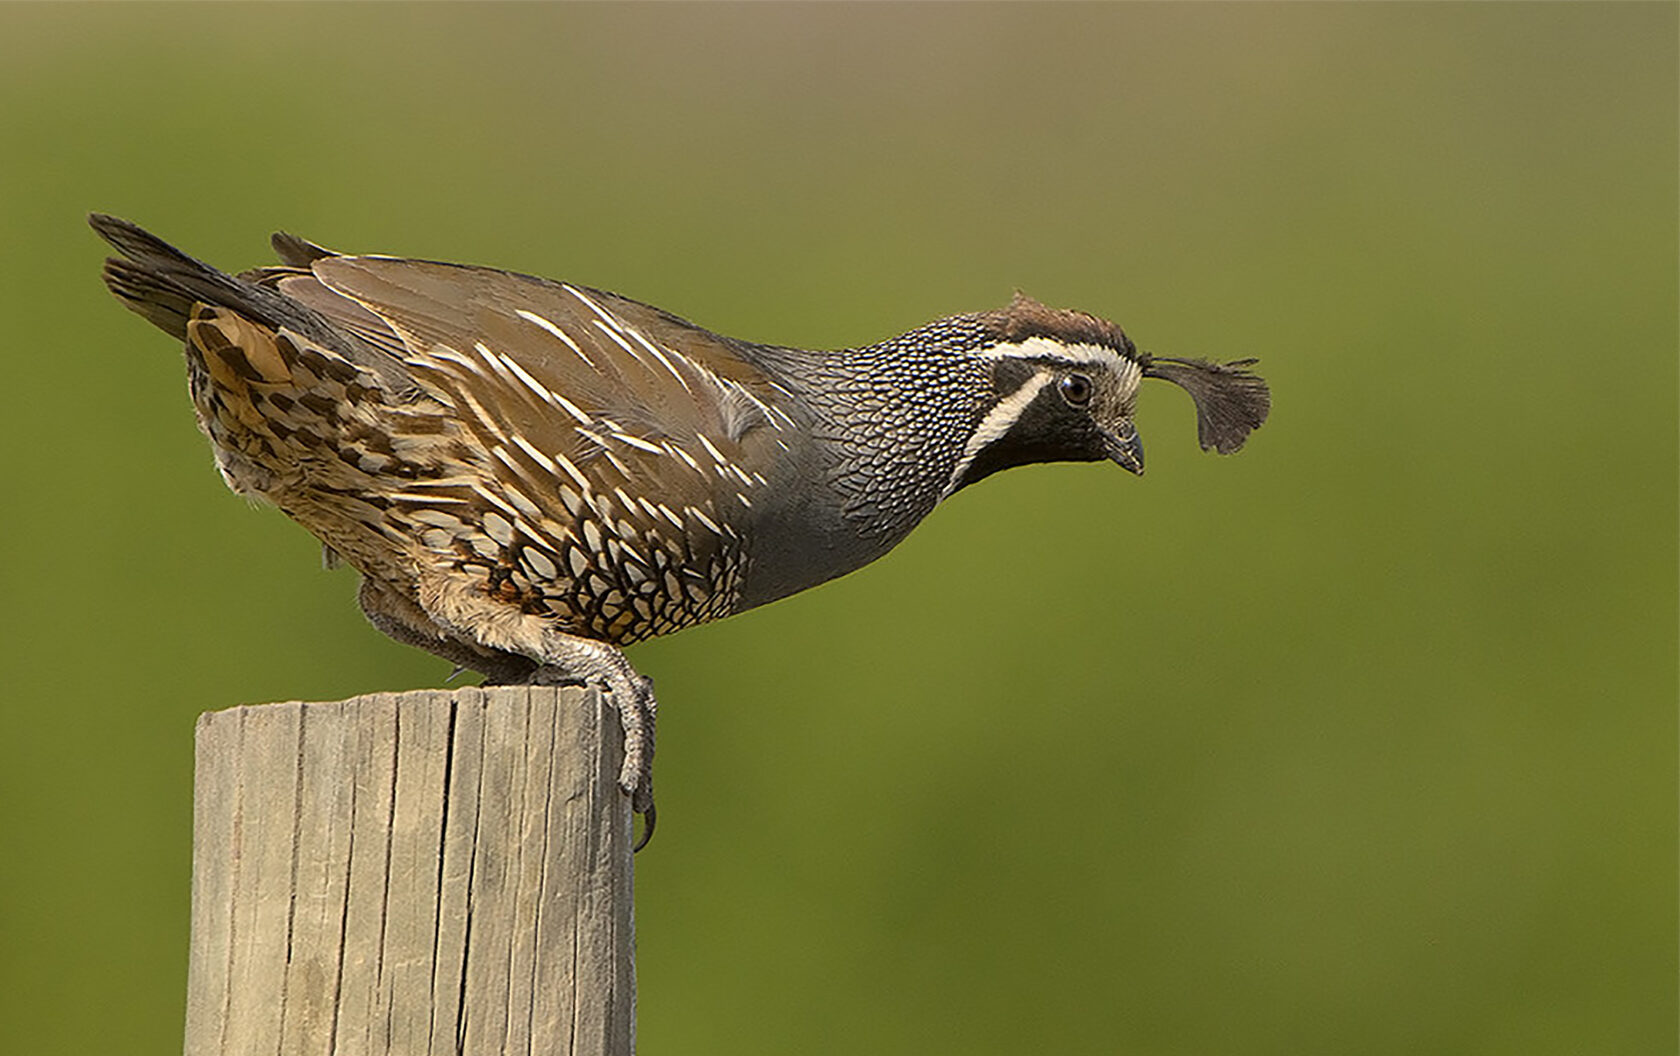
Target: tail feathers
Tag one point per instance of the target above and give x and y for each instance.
(297, 252)
(163, 304)
(155, 279)
(161, 283)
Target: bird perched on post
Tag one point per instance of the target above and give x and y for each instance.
(530, 475)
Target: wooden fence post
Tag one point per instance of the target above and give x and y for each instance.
(412, 873)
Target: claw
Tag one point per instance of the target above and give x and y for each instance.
(648, 817)
(578, 660)
(637, 709)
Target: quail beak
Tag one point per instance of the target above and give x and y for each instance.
(1125, 448)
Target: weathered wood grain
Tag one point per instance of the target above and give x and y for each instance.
(418, 873)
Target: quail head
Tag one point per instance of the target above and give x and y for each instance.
(530, 475)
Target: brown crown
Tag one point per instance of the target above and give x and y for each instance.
(1026, 318)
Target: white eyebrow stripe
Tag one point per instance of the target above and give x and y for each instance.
(998, 421)
(1041, 348)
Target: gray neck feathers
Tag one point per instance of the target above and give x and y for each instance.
(894, 415)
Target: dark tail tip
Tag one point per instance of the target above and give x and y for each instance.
(297, 252)
(161, 303)
(125, 237)
(154, 279)
(140, 245)
(140, 278)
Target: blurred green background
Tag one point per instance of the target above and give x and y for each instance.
(1361, 741)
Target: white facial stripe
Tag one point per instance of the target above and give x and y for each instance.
(1041, 348)
(998, 420)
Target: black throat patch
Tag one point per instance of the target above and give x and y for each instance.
(1046, 430)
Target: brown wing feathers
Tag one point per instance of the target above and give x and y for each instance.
(563, 340)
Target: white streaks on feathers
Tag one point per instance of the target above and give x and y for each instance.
(665, 512)
(703, 519)
(624, 470)
(534, 318)
(572, 471)
(638, 442)
(543, 392)
(657, 354)
(448, 355)
(612, 333)
(717, 456)
(592, 306)
(523, 503)
(435, 518)
(425, 498)
(684, 455)
(494, 498)
(498, 528)
(572, 409)
(539, 563)
(542, 459)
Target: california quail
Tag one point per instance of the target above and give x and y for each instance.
(531, 474)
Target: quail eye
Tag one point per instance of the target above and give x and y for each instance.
(1076, 389)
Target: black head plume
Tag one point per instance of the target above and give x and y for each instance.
(1230, 402)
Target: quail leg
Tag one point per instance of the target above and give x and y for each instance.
(399, 617)
(569, 659)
